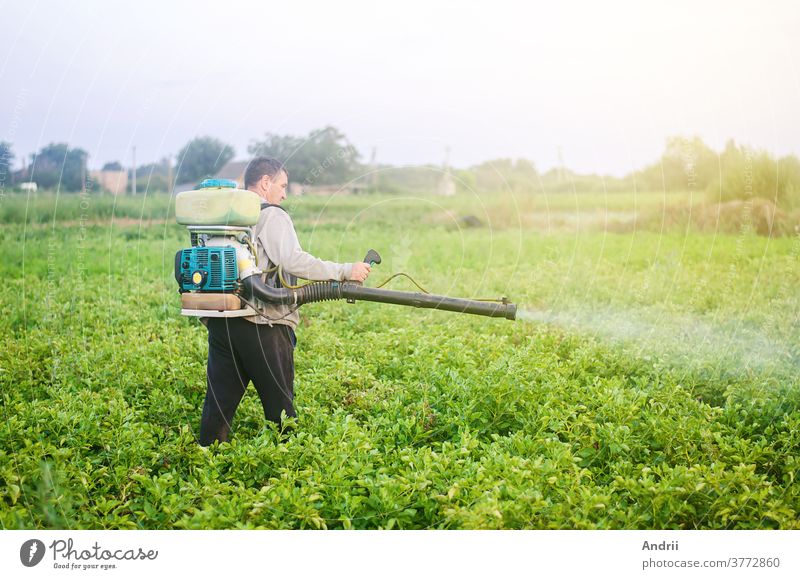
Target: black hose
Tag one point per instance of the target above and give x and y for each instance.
(253, 286)
(320, 292)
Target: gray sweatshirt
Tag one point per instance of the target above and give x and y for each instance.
(277, 244)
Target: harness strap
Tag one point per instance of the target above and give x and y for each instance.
(273, 277)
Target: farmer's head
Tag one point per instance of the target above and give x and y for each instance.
(268, 178)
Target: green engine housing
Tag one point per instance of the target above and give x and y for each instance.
(206, 269)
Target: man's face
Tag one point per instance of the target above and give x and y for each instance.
(273, 189)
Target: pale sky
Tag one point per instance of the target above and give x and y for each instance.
(606, 82)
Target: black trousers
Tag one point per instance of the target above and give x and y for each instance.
(240, 352)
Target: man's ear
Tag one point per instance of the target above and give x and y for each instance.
(265, 181)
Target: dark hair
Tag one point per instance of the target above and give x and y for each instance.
(260, 166)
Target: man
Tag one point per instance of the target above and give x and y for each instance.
(261, 348)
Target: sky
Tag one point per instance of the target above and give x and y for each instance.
(605, 83)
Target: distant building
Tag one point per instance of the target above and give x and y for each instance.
(29, 186)
(233, 170)
(115, 182)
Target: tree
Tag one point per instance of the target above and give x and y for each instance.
(112, 166)
(6, 163)
(746, 173)
(501, 175)
(155, 176)
(324, 157)
(58, 166)
(201, 157)
(687, 164)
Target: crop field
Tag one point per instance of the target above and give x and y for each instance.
(651, 380)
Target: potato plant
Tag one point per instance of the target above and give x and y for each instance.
(654, 385)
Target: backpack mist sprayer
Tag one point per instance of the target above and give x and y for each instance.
(218, 275)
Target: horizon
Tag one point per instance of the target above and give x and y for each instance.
(23, 162)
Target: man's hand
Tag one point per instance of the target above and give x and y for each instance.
(360, 271)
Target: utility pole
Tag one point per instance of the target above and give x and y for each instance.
(133, 176)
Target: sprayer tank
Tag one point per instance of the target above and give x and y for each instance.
(217, 202)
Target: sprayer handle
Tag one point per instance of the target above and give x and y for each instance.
(372, 257)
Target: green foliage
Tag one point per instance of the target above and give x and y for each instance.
(57, 166)
(738, 172)
(112, 166)
(323, 157)
(154, 177)
(747, 173)
(687, 165)
(91, 208)
(407, 418)
(6, 164)
(566, 181)
(200, 158)
(505, 175)
(419, 179)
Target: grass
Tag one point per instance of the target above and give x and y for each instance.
(653, 383)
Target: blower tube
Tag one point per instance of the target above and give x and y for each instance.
(254, 286)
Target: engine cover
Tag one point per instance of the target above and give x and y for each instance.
(206, 269)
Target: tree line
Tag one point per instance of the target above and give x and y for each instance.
(326, 157)
(687, 164)
(323, 157)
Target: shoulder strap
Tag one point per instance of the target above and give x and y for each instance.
(265, 205)
(273, 278)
